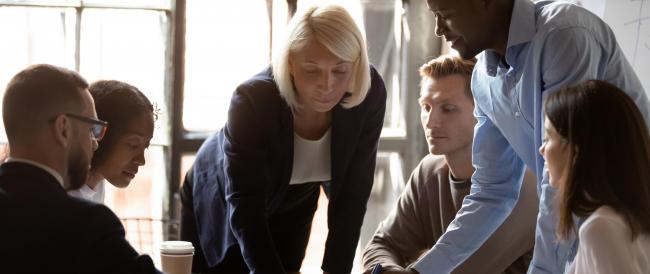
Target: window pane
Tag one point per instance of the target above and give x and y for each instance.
(36, 35)
(154, 4)
(352, 6)
(382, 31)
(227, 42)
(128, 45)
(140, 205)
(70, 3)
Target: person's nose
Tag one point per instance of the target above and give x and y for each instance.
(139, 159)
(432, 120)
(542, 149)
(326, 82)
(441, 27)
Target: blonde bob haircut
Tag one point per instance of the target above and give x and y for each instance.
(333, 27)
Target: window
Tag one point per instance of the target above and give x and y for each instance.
(118, 40)
(218, 56)
(39, 35)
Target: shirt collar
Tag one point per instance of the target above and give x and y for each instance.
(522, 23)
(87, 192)
(459, 184)
(522, 30)
(49, 170)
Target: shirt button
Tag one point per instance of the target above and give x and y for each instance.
(517, 114)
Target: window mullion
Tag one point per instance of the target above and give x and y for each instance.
(77, 35)
(177, 128)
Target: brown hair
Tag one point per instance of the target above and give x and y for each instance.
(37, 94)
(446, 65)
(117, 103)
(611, 154)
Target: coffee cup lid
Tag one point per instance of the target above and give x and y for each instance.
(176, 247)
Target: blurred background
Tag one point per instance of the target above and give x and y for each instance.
(188, 56)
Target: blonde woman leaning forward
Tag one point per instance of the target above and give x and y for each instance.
(313, 119)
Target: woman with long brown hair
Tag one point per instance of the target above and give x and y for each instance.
(597, 151)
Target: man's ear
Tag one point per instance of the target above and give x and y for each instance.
(62, 130)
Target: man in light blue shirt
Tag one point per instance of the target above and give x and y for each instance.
(527, 51)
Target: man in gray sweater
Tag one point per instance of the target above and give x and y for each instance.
(437, 186)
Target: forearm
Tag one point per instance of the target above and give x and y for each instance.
(250, 228)
(550, 256)
(344, 229)
(259, 253)
(379, 250)
(510, 246)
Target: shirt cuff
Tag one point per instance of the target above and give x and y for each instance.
(433, 260)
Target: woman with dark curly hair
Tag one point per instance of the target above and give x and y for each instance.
(130, 116)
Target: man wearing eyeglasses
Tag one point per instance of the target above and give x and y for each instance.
(52, 129)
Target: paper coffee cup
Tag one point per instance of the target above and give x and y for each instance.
(176, 257)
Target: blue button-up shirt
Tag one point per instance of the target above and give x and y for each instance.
(550, 45)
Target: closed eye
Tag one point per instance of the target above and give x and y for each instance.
(448, 108)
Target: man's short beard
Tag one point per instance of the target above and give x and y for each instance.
(77, 169)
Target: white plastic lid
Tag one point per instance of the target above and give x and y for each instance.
(176, 247)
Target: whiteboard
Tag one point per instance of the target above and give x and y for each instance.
(630, 21)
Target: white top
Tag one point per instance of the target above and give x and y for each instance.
(606, 247)
(49, 170)
(311, 159)
(96, 195)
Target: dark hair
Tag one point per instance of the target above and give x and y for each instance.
(446, 65)
(611, 154)
(117, 103)
(37, 94)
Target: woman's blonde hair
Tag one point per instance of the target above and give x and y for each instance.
(333, 27)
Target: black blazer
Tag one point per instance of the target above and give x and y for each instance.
(43, 230)
(242, 173)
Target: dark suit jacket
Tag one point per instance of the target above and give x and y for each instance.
(242, 173)
(43, 230)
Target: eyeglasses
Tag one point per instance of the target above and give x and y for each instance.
(98, 128)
